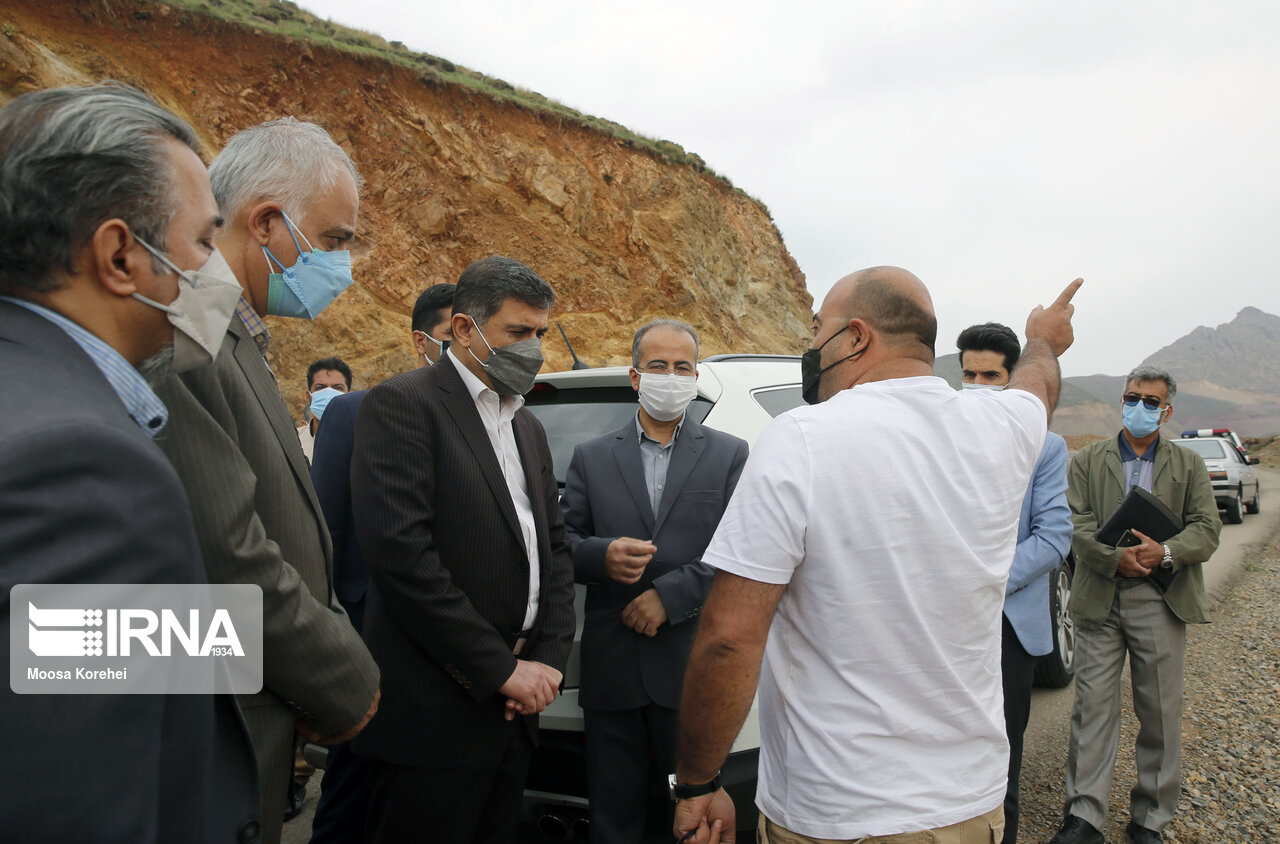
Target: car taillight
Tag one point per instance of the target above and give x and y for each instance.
(1217, 476)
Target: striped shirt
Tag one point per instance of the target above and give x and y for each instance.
(139, 399)
(257, 328)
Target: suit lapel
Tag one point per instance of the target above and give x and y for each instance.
(267, 392)
(684, 457)
(462, 408)
(527, 449)
(626, 452)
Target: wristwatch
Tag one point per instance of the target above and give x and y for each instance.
(684, 791)
(1167, 562)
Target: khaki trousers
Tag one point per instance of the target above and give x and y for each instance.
(1141, 626)
(984, 829)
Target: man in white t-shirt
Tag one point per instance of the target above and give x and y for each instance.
(864, 556)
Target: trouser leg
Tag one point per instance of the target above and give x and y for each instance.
(476, 801)
(1095, 719)
(1158, 646)
(617, 764)
(1017, 671)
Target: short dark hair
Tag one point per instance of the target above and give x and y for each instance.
(991, 337)
(662, 323)
(72, 158)
(893, 313)
(486, 284)
(329, 363)
(430, 306)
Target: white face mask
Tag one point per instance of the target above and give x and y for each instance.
(996, 387)
(200, 315)
(665, 397)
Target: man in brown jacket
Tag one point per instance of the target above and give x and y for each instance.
(1119, 610)
(289, 195)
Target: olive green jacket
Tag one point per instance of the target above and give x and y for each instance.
(1095, 489)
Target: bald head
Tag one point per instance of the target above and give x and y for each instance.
(893, 302)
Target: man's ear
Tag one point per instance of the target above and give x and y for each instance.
(460, 327)
(261, 217)
(862, 330)
(635, 379)
(117, 257)
(419, 342)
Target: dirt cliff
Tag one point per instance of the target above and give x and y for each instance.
(451, 176)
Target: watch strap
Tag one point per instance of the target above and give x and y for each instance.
(686, 791)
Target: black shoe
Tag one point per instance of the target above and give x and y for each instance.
(297, 796)
(1077, 830)
(1142, 835)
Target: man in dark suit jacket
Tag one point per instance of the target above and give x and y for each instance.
(668, 478)
(470, 604)
(235, 448)
(344, 794)
(85, 495)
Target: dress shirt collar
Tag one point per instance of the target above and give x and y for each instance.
(1127, 453)
(641, 435)
(139, 399)
(257, 328)
(477, 388)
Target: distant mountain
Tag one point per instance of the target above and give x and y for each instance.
(1227, 376)
(1243, 354)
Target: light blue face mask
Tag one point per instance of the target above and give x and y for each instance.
(996, 387)
(1140, 420)
(305, 289)
(320, 400)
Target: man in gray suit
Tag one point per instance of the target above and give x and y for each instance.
(106, 207)
(287, 192)
(665, 477)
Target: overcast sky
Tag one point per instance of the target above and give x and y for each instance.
(996, 149)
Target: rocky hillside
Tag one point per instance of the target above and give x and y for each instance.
(451, 175)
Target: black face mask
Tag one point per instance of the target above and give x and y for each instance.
(811, 368)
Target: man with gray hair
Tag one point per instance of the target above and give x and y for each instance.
(105, 211)
(469, 610)
(640, 504)
(1134, 601)
(290, 198)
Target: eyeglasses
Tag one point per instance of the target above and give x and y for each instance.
(1149, 402)
(660, 368)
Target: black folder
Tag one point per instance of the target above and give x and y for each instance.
(1142, 511)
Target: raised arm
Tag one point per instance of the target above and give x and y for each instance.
(1049, 334)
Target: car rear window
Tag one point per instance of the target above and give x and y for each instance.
(1208, 449)
(575, 416)
(778, 400)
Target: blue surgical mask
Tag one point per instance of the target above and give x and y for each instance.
(320, 400)
(305, 289)
(1140, 420)
(996, 387)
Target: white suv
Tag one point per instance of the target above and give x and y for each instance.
(737, 394)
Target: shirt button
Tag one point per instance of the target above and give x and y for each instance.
(659, 486)
(660, 456)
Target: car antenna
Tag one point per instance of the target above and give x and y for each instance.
(577, 364)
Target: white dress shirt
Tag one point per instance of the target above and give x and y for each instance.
(496, 412)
